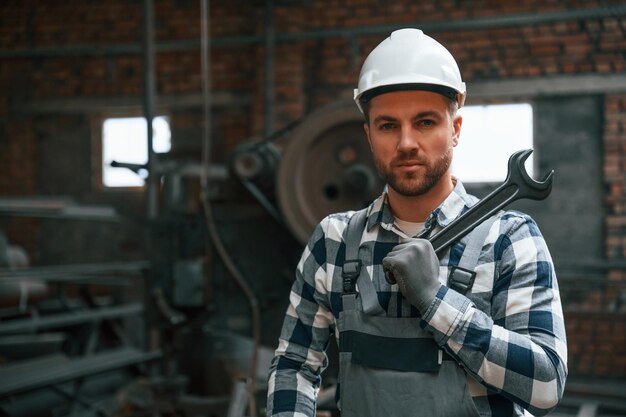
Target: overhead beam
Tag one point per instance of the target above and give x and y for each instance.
(83, 105)
(548, 86)
(509, 87)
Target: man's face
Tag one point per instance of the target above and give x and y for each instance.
(411, 134)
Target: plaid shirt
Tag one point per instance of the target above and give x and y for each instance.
(507, 334)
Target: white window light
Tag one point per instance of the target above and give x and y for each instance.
(125, 140)
(489, 135)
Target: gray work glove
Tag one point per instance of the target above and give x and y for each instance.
(414, 267)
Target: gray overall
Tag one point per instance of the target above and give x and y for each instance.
(389, 366)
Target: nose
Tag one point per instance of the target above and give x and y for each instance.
(408, 140)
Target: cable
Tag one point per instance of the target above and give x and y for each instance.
(208, 210)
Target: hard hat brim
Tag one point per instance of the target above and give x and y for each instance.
(439, 89)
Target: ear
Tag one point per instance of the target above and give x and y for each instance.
(366, 127)
(456, 127)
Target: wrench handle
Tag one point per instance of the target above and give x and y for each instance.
(475, 215)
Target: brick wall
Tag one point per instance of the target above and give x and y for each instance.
(614, 168)
(610, 330)
(308, 73)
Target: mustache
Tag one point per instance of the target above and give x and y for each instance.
(413, 157)
(409, 157)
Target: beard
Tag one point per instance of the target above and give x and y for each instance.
(412, 184)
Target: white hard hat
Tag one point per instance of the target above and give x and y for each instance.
(409, 60)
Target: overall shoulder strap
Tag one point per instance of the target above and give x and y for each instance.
(462, 276)
(352, 267)
(352, 263)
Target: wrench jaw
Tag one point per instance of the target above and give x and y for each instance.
(518, 184)
(529, 187)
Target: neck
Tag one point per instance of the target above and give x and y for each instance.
(418, 208)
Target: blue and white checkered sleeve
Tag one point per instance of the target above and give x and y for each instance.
(519, 350)
(300, 357)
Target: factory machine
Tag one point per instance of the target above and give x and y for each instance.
(190, 329)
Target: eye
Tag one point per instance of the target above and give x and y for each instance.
(385, 126)
(427, 122)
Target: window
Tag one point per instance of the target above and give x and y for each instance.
(489, 135)
(126, 140)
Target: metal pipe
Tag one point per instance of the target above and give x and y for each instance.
(206, 94)
(513, 20)
(54, 272)
(149, 95)
(154, 334)
(270, 42)
(214, 235)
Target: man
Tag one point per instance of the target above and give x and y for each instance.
(478, 331)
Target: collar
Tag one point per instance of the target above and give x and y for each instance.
(457, 202)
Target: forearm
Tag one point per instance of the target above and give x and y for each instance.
(294, 379)
(522, 361)
(292, 389)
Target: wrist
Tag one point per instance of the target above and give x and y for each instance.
(427, 296)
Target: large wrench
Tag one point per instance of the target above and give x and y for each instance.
(517, 185)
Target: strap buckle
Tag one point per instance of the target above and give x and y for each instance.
(350, 273)
(461, 279)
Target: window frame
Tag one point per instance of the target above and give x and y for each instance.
(483, 186)
(97, 124)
